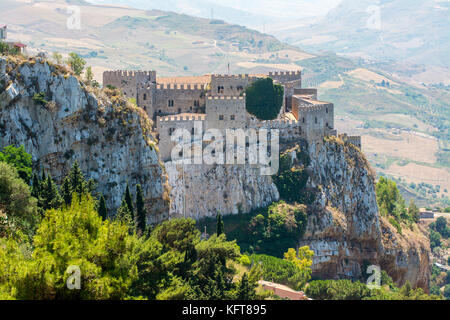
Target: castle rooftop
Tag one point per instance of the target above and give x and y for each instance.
(307, 99)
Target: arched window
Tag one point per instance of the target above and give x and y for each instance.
(145, 96)
(315, 120)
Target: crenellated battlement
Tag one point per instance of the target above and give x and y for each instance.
(232, 76)
(227, 97)
(130, 73)
(289, 78)
(181, 118)
(185, 87)
(285, 73)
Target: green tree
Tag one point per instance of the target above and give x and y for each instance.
(89, 75)
(124, 215)
(77, 180)
(435, 239)
(303, 260)
(50, 195)
(141, 214)
(18, 158)
(441, 226)
(246, 290)
(104, 252)
(102, 210)
(177, 234)
(264, 99)
(387, 195)
(16, 200)
(129, 201)
(413, 211)
(66, 191)
(219, 226)
(76, 63)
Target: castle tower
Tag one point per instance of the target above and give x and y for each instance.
(225, 112)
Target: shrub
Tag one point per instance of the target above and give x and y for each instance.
(264, 99)
(40, 98)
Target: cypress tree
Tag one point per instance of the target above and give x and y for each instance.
(141, 214)
(124, 215)
(102, 210)
(220, 226)
(51, 198)
(245, 290)
(35, 186)
(66, 191)
(77, 179)
(43, 177)
(129, 201)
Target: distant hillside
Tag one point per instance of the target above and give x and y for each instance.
(249, 13)
(413, 30)
(113, 37)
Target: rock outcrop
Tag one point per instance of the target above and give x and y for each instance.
(59, 120)
(199, 191)
(345, 229)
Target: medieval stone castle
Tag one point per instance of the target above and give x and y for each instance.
(218, 101)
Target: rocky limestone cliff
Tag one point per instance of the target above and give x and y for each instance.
(203, 191)
(345, 229)
(111, 140)
(113, 143)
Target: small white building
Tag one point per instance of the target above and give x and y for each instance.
(426, 214)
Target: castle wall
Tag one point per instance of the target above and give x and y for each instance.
(168, 124)
(225, 112)
(230, 85)
(172, 99)
(355, 140)
(316, 119)
(128, 81)
(289, 130)
(290, 78)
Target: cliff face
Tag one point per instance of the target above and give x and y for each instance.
(203, 191)
(111, 140)
(345, 229)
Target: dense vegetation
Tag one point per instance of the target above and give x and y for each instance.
(348, 290)
(264, 99)
(438, 230)
(49, 236)
(294, 270)
(292, 177)
(392, 205)
(269, 231)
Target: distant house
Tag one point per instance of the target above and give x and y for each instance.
(426, 214)
(3, 32)
(283, 291)
(20, 46)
